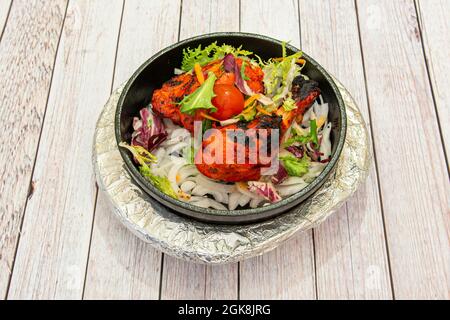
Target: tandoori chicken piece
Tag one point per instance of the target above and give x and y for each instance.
(304, 93)
(165, 100)
(245, 160)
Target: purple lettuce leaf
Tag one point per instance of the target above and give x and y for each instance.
(149, 131)
(280, 176)
(264, 189)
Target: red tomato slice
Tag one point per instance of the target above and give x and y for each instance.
(229, 101)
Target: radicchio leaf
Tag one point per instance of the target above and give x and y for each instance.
(149, 131)
(264, 189)
(230, 65)
(296, 151)
(280, 176)
(312, 152)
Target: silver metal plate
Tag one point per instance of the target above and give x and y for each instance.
(208, 243)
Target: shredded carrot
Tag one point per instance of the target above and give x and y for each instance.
(262, 110)
(215, 68)
(206, 116)
(199, 73)
(300, 61)
(250, 100)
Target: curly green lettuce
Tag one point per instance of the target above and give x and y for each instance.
(279, 74)
(294, 166)
(289, 104)
(210, 53)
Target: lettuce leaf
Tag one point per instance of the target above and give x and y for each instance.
(289, 104)
(313, 132)
(210, 53)
(279, 74)
(243, 76)
(294, 166)
(144, 158)
(162, 183)
(141, 155)
(200, 98)
(310, 137)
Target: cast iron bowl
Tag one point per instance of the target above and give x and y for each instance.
(155, 71)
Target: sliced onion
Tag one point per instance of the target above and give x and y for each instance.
(187, 186)
(233, 200)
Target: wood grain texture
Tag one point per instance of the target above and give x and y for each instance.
(121, 266)
(4, 9)
(412, 171)
(27, 53)
(184, 280)
(351, 257)
(53, 249)
(284, 273)
(434, 19)
(293, 261)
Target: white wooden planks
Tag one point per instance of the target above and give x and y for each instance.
(53, 248)
(350, 254)
(412, 171)
(434, 19)
(351, 259)
(181, 279)
(287, 272)
(27, 52)
(4, 9)
(120, 265)
(284, 273)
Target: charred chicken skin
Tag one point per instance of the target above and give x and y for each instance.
(244, 158)
(304, 92)
(165, 103)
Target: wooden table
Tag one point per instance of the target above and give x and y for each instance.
(59, 61)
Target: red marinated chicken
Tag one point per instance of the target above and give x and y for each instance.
(245, 144)
(164, 100)
(304, 93)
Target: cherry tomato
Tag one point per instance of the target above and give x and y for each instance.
(229, 101)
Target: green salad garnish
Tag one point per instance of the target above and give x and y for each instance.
(295, 166)
(200, 98)
(210, 53)
(145, 158)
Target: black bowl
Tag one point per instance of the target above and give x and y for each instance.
(155, 71)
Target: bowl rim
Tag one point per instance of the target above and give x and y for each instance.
(242, 213)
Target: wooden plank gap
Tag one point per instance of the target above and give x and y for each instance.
(96, 185)
(6, 20)
(37, 148)
(366, 89)
(427, 65)
(161, 276)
